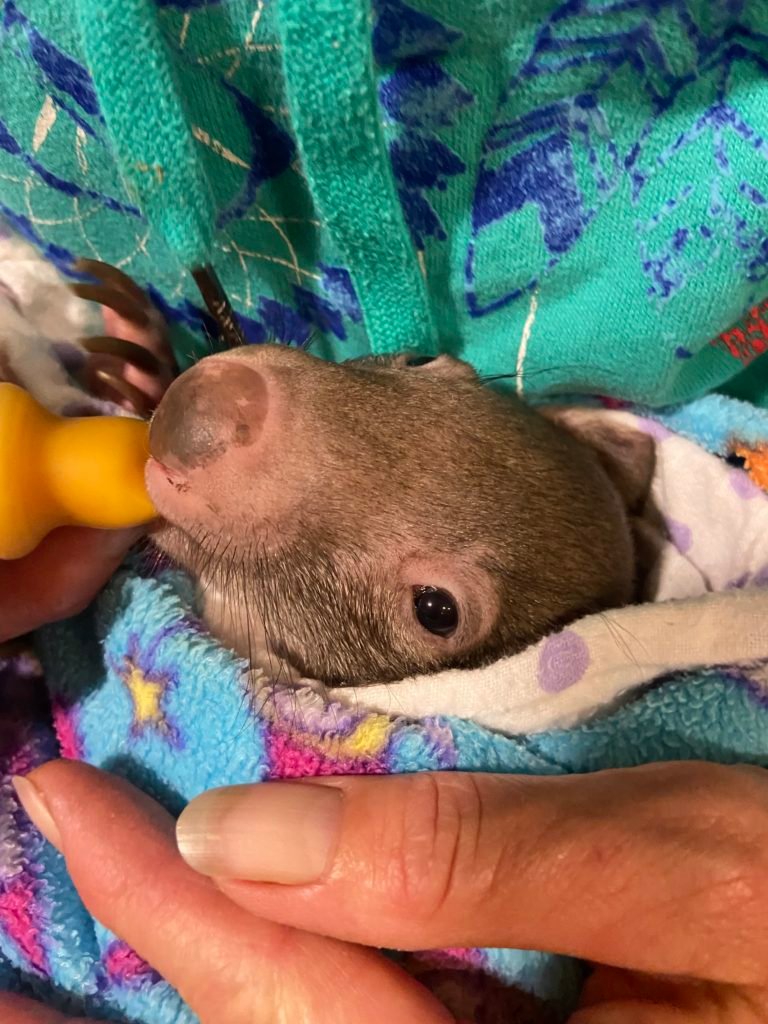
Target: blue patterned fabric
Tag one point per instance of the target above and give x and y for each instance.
(138, 687)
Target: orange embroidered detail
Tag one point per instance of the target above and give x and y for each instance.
(756, 464)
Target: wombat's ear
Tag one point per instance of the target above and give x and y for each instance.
(627, 455)
(440, 366)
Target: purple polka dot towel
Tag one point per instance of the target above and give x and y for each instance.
(706, 604)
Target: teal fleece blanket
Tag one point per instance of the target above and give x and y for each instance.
(575, 191)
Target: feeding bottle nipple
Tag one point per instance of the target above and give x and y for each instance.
(55, 471)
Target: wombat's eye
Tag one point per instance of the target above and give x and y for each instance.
(419, 360)
(436, 610)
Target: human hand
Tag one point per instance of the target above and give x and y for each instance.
(657, 875)
(60, 577)
(121, 853)
(132, 365)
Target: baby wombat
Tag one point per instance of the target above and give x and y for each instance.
(384, 517)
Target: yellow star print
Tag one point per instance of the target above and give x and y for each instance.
(145, 694)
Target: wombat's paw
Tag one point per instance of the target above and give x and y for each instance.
(131, 364)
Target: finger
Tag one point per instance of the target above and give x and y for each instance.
(141, 356)
(108, 377)
(17, 1010)
(60, 577)
(642, 1012)
(125, 305)
(621, 997)
(140, 370)
(661, 868)
(120, 851)
(112, 276)
(151, 337)
(133, 363)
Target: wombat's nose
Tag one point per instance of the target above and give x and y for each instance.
(217, 405)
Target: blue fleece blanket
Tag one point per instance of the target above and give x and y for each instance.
(136, 686)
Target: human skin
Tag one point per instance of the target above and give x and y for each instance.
(65, 572)
(656, 875)
(59, 578)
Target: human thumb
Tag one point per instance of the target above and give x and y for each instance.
(636, 868)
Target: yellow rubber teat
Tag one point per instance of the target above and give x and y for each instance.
(54, 472)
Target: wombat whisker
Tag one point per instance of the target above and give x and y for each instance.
(151, 555)
(629, 633)
(619, 640)
(525, 374)
(312, 337)
(259, 700)
(207, 557)
(263, 609)
(615, 628)
(211, 341)
(248, 626)
(268, 609)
